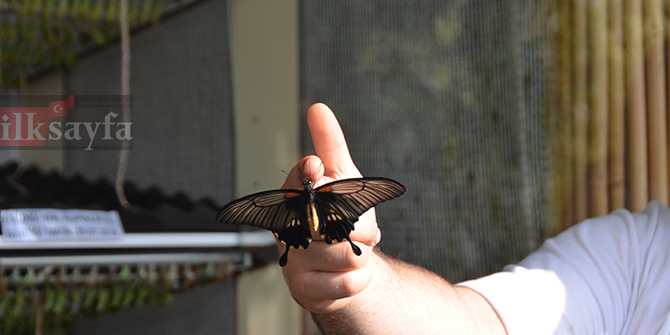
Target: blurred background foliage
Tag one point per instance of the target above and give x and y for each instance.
(38, 35)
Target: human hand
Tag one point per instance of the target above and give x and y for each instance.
(325, 277)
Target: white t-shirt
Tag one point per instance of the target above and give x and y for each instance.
(608, 275)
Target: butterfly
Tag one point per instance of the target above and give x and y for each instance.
(331, 209)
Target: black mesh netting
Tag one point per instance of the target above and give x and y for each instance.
(183, 143)
(447, 98)
(182, 106)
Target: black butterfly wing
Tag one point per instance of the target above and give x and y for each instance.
(272, 210)
(296, 235)
(339, 204)
(338, 229)
(352, 197)
(280, 211)
(343, 201)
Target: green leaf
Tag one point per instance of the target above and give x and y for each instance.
(117, 296)
(62, 9)
(36, 7)
(90, 298)
(112, 12)
(156, 12)
(145, 11)
(98, 11)
(48, 8)
(29, 278)
(76, 297)
(49, 299)
(70, 56)
(124, 274)
(9, 323)
(84, 8)
(103, 300)
(133, 14)
(4, 305)
(74, 8)
(31, 31)
(128, 298)
(24, 8)
(142, 294)
(98, 36)
(61, 301)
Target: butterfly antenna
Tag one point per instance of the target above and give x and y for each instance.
(290, 175)
(311, 175)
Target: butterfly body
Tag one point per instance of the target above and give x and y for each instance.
(331, 209)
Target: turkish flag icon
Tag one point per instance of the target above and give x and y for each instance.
(28, 126)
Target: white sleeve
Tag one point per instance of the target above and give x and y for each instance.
(609, 275)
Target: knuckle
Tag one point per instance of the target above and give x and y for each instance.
(352, 261)
(348, 285)
(297, 284)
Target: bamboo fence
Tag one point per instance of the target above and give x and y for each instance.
(613, 116)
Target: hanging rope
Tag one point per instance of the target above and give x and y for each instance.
(39, 319)
(125, 96)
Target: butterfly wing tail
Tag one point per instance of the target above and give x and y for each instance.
(355, 248)
(296, 236)
(338, 229)
(284, 258)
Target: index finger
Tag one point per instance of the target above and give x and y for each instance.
(329, 143)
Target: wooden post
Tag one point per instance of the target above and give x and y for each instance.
(580, 110)
(636, 113)
(658, 140)
(597, 164)
(617, 137)
(564, 166)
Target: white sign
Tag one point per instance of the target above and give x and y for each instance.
(59, 224)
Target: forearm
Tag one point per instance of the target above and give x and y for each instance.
(405, 299)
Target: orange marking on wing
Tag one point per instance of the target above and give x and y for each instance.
(292, 195)
(325, 189)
